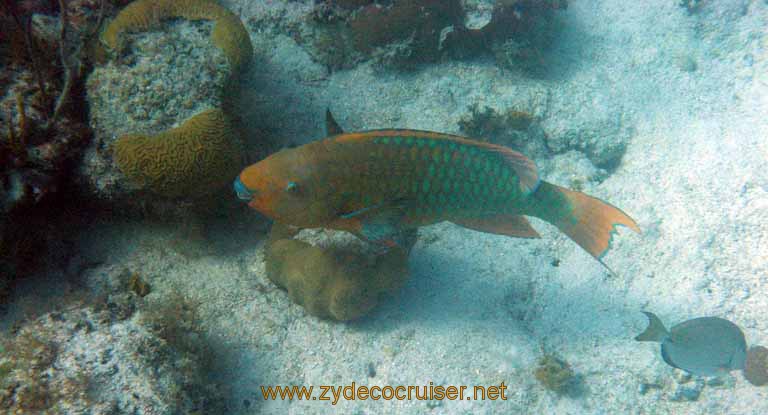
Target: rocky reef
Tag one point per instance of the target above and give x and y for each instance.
(540, 135)
(44, 55)
(519, 130)
(401, 34)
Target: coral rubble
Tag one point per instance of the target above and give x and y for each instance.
(91, 360)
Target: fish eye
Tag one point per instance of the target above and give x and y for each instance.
(292, 187)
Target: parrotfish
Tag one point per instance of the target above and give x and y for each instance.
(378, 184)
(706, 346)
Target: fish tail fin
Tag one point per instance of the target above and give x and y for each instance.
(656, 332)
(588, 221)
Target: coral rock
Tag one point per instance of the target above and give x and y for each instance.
(195, 158)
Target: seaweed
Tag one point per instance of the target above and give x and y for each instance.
(17, 142)
(557, 375)
(175, 319)
(487, 122)
(137, 285)
(517, 129)
(44, 126)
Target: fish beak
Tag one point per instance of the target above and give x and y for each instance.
(241, 191)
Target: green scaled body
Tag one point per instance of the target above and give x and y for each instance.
(428, 177)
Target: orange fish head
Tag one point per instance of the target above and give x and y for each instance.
(287, 187)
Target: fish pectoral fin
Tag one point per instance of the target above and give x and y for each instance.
(503, 224)
(331, 126)
(381, 223)
(668, 359)
(383, 229)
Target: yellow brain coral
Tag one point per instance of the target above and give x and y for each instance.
(193, 159)
(333, 282)
(229, 34)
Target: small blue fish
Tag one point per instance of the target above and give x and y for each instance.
(706, 346)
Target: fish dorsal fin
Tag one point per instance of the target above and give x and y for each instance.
(331, 126)
(656, 332)
(511, 225)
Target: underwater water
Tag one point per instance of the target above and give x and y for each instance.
(265, 207)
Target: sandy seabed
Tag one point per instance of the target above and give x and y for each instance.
(479, 309)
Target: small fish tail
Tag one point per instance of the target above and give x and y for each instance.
(656, 332)
(588, 221)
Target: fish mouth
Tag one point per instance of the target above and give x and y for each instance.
(242, 192)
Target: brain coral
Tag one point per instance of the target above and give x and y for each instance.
(229, 34)
(193, 159)
(337, 280)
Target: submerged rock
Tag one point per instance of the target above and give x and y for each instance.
(603, 138)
